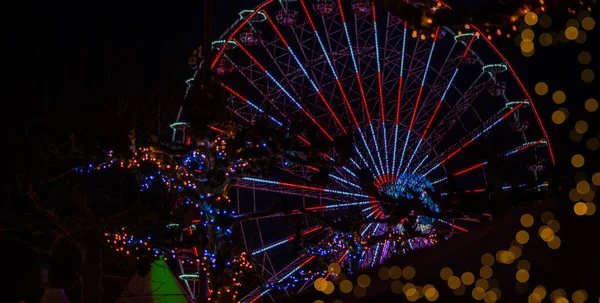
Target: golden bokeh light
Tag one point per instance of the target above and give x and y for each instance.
(395, 272)
(541, 88)
(516, 251)
(383, 273)
(559, 97)
(486, 272)
(460, 291)
(554, 225)
(580, 208)
(482, 283)
(527, 220)
(527, 34)
(545, 21)
(558, 117)
(591, 208)
(446, 273)
(577, 161)
(467, 278)
(407, 287)
(363, 280)
(360, 291)
(584, 57)
(431, 294)
(587, 75)
(575, 136)
(582, 14)
(319, 284)
(534, 298)
(546, 233)
(346, 286)
(589, 196)
(591, 105)
(593, 144)
(318, 301)
(522, 237)
(581, 127)
(574, 195)
(397, 287)
(596, 178)
(561, 300)
(531, 18)
(522, 275)
(490, 297)
(487, 259)
(478, 293)
(571, 33)
(572, 23)
(334, 268)
(588, 23)
(545, 39)
(547, 216)
(583, 187)
(579, 296)
(328, 288)
(561, 37)
(581, 37)
(409, 272)
(527, 46)
(555, 242)
(558, 293)
(541, 291)
(524, 264)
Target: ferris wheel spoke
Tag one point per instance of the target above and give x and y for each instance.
(255, 107)
(399, 99)
(443, 96)
(323, 208)
(298, 105)
(488, 125)
(297, 189)
(310, 80)
(419, 94)
(361, 89)
(380, 90)
(513, 151)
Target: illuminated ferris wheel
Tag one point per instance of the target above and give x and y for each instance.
(414, 105)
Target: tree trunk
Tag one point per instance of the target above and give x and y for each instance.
(90, 276)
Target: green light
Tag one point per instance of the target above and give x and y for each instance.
(159, 286)
(512, 104)
(259, 17)
(219, 43)
(174, 125)
(465, 35)
(495, 68)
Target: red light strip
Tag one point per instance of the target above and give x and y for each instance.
(471, 140)
(514, 74)
(284, 41)
(236, 30)
(440, 102)
(301, 108)
(399, 90)
(214, 128)
(466, 170)
(412, 120)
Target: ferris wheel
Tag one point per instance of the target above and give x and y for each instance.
(416, 105)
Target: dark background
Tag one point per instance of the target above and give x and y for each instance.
(76, 60)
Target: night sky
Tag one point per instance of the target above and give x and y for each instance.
(76, 60)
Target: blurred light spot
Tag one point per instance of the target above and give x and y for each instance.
(571, 33)
(363, 280)
(408, 272)
(522, 237)
(346, 286)
(547, 216)
(591, 208)
(596, 178)
(574, 195)
(579, 296)
(397, 287)
(587, 75)
(395, 272)
(467, 278)
(588, 23)
(522, 275)
(591, 105)
(577, 160)
(554, 225)
(584, 57)
(360, 291)
(559, 97)
(545, 21)
(541, 88)
(583, 187)
(545, 39)
(558, 117)
(446, 273)
(486, 272)
(581, 127)
(524, 264)
(580, 208)
(454, 282)
(531, 18)
(527, 34)
(526, 220)
(384, 273)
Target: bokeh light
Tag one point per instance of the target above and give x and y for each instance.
(587, 75)
(571, 33)
(534, 298)
(478, 293)
(593, 144)
(527, 220)
(454, 282)
(558, 117)
(589, 196)
(580, 208)
(431, 294)
(446, 273)
(554, 225)
(579, 296)
(541, 291)
(395, 272)
(487, 259)
(334, 268)
(524, 264)
(360, 291)
(588, 23)
(575, 136)
(577, 160)
(591, 208)
(397, 287)
(486, 272)
(572, 23)
(584, 57)
(559, 97)
(554, 243)
(581, 127)
(490, 297)
(363, 280)
(408, 272)
(546, 233)
(346, 286)
(383, 273)
(522, 237)
(591, 105)
(531, 18)
(467, 278)
(522, 275)
(328, 288)
(541, 88)
(547, 216)
(574, 195)
(545, 39)
(527, 46)
(583, 187)
(545, 21)
(581, 37)
(596, 178)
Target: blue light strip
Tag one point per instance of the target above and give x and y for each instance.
(418, 166)
(283, 90)
(345, 181)
(374, 259)
(401, 75)
(365, 161)
(349, 171)
(413, 155)
(270, 246)
(387, 163)
(403, 151)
